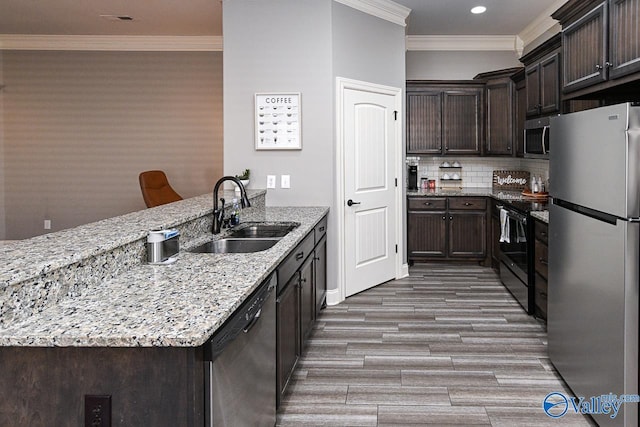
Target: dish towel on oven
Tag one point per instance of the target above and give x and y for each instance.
(504, 226)
(521, 234)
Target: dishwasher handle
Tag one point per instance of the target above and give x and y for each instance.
(241, 321)
(253, 321)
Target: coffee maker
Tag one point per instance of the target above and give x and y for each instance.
(413, 177)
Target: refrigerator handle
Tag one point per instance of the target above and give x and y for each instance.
(544, 134)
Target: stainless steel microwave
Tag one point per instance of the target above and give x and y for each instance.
(536, 138)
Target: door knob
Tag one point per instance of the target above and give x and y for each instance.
(351, 203)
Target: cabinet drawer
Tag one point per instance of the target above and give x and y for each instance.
(468, 203)
(542, 232)
(541, 289)
(542, 259)
(427, 204)
(321, 229)
(295, 259)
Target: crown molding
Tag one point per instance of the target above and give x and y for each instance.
(463, 43)
(111, 43)
(383, 9)
(541, 24)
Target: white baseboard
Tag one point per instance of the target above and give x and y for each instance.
(333, 297)
(404, 271)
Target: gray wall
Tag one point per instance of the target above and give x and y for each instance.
(456, 65)
(80, 126)
(299, 46)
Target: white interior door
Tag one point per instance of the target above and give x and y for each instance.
(369, 125)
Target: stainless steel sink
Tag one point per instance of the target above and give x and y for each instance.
(260, 230)
(227, 246)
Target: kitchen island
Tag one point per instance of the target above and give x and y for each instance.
(131, 330)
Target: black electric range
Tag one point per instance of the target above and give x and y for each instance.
(516, 251)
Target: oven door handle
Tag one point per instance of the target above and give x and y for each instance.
(517, 217)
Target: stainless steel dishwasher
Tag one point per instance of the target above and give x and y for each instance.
(240, 364)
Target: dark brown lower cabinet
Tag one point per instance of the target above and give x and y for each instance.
(307, 300)
(288, 333)
(299, 300)
(541, 262)
(320, 273)
(452, 228)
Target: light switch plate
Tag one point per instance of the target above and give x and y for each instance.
(285, 181)
(271, 181)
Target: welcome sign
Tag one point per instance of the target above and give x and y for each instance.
(510, 180)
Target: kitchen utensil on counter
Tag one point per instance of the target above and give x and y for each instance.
(162, 246)
(432, 184)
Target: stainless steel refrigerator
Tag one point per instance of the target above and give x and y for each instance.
(594, 254)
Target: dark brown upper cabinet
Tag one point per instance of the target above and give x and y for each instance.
(600, 43)
(542, 78)
(500, 114)
(445, 117)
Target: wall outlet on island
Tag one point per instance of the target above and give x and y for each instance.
(47, 224)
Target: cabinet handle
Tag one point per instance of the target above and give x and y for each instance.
(427, 203)
(299, 256)
(598, 67)
(468, 204)
(543, 261)
(508, 148)
(444, 218)
(450, 218)
(446, 148)
(608, 64)
(303, 280)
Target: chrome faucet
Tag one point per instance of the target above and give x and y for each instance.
(218, 212)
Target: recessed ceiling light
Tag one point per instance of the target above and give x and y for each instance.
(478, 9)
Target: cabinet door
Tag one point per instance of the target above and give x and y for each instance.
(467, 234)
(427, 235)
(521, 116)
(462, 121)
(624, 37)
(500, 134)
(584, 49)
(307, 300)
(496, 231)
(424, 122)
(288, 333)
(550, 84)
(320, 273)
(532, 81)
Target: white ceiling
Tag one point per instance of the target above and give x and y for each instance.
(204, 17)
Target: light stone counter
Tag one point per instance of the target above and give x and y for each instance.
(541, 215)
(181, 304)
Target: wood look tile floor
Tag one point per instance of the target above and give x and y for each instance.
(447, 345)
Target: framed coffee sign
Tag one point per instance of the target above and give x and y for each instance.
(278, 121)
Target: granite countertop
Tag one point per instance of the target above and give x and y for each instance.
(541, 215)
(177, 305)
(22, 259)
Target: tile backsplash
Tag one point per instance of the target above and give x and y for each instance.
(477, 171)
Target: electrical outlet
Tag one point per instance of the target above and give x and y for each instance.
(285, 181)
(97, 410)
(47, 224)
(271, 181)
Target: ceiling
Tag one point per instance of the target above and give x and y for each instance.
(204, 17)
